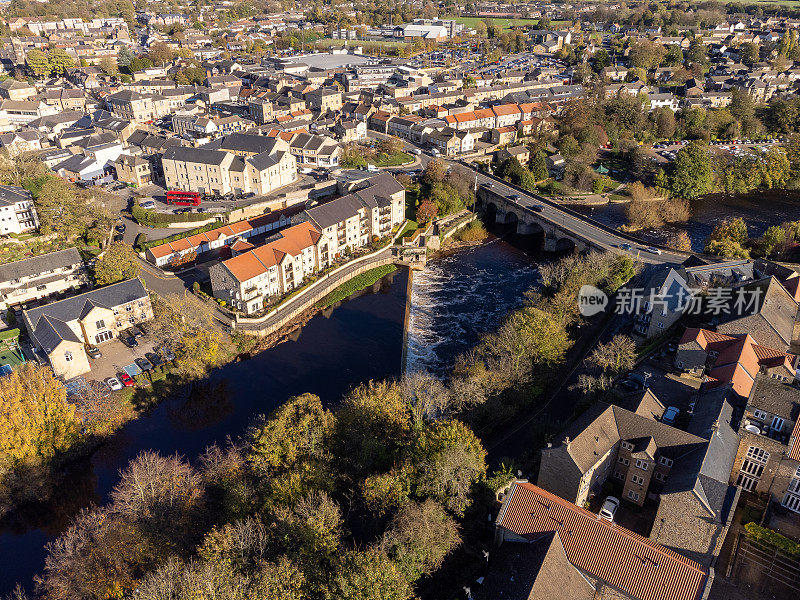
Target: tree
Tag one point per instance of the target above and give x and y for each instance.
(748, 53)
(37, 63)
(679, 241)
(646, 55)
(60, 61)
(36, 421)
(600, 61)
(124, 57)
(139, 64)
(450, 459)
(615, 356)
(391, 145)
(538, 165)
(742, 105)
(160, 53)
(691, 172)
(426, 211)
(728, 239)
(117, 263)
(109, 66)
(773, 237)
(369, 575)
(435, 172)
(665, 122)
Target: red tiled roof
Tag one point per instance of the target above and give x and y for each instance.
(794, 451)
(623, 559)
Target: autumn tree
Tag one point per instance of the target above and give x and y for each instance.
(117, 263)
(109, 66)
(37, 63)
(426, 211)
(615, 356)
(36, 421)
(160, 53)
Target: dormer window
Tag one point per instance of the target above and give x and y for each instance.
(760, 415)
(665, 461)
(626, 445)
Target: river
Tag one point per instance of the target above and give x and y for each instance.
(758, 209)
(452, 302)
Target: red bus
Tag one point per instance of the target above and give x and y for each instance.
(183, 198)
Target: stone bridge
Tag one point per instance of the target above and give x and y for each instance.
(495, 206)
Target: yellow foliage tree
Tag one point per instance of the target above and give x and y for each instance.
(36, 421)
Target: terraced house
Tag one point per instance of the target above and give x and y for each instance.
(247, 281)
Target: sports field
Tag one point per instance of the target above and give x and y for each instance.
(507, 23)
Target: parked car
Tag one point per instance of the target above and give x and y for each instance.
(130, 341)
(609, 509)
(629, 385)
(144, 364)
(93, 352)
(126, 380)
(670, 415)
(166, 353)
(114, 384)
(147, 204)
(135, 332)
(416, 151)
(154, 358)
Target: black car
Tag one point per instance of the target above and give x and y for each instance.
(130, 341)
(537, 207)
(143, 364)
(154, 358)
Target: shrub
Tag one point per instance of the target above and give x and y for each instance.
(773, 539)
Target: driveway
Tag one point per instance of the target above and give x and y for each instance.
(116, 356)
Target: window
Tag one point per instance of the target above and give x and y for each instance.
(623, 461)
(637, 480)
(68, 356)
(777, 424)
(641, 464)
(100, 324)
(760, 415)
(660, 476)
(129, 308)
(757, 454)
(619, 475)
(665, 461)
(627, 445)
(746, 482)
(633, 495)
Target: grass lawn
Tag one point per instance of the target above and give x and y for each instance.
(410, 228)
(357, 283)
(393, 160)
(505, 23)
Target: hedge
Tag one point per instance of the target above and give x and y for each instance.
(773, 539)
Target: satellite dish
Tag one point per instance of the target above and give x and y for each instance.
(752, 428)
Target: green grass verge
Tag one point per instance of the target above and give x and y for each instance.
(393, 160)
(410, 228)
(357, 283)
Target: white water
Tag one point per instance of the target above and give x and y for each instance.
(458, 297)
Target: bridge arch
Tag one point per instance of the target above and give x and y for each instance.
(490, 213)
(565, 245)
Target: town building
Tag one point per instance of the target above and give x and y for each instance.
(17, 211)
(39, 277)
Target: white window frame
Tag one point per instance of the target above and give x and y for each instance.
(760, 414)
(777, 424)
(633, 496)
(638, 480)
(667, 462)
(641, 464)
(757, 454)
(626, 445)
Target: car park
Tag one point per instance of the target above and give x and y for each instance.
(114, 384)
(609, 509)
(94, 352)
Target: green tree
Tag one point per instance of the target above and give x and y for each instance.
(691, 172)
(37, 63)
(773, 237)
(369, 575)
(748, 53)
(60, 61)
(124, 58)
(538, 165)
(117, 263)
(742, 105)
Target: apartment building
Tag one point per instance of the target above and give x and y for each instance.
(354, 220)
(232, 169)
(133, 170)
(315, 150)
(135, 106)
(17, 212)
(768, 458)
(62, 330)
(324, 99)
(247, 281)
(41, 277)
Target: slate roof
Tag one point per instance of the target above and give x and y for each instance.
(39, 264)
(11, 194)
(244, 142)
(49, 323)
(195, 155)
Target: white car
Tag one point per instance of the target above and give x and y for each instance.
(609, 509)
(653, 250)
(416, 151)
(113, 383)
(670, 415)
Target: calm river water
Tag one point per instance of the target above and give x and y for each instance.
(759, 210)
(452, 302)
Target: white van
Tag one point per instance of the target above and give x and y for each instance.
(435, 152)
(416, 151)
(148, 204)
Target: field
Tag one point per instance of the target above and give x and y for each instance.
(393, 160)
(507, 23)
